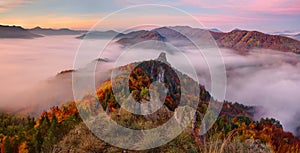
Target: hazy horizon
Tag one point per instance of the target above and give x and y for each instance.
(278, 32)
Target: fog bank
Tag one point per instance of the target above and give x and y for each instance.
(264, 78)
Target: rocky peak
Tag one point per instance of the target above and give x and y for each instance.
(162, 57)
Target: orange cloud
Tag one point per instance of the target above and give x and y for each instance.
(53, 21)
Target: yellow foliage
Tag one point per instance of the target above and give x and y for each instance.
(23, 148)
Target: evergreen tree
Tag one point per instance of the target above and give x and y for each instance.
(44, 125)
(52, 135)
(8, 148)
(37, 141)
(54, 129)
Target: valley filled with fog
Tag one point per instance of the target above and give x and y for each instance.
(29, 69)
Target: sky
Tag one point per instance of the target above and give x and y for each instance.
(226, 15)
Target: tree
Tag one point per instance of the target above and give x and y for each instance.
(8, 148)
(37, 141)
(52, 135)
(144, 92)
(53, 132)
(30, 122)
(44, 125)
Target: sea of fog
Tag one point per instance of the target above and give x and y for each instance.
(265, 78)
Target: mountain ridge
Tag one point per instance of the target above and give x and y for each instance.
(16, 32)
(244, 40)
(240, 40)
(99, 34)
(49, 31)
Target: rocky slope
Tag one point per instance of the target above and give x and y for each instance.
(245, 40)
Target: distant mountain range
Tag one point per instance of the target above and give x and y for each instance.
(240, 40)
(21, 33)
(294, 35)
(49, 31)
(297, 37)
(99, 34)
(16, 32)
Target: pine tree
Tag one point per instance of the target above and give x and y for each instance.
(8, 146)
(44, 125)
(54, 129)
(52, 135)
(30, 122)
(38, 141)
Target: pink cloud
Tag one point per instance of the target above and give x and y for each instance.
(228, 18)
(266, 6)
(228, 22)
(6, 5)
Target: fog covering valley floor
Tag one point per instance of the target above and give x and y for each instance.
(263, 78)
(60, 129)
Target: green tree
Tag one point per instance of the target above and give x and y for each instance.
(8, 148)
(53, 132)
(37, 141)
(52, 135)
(144, 92)
(44, 125)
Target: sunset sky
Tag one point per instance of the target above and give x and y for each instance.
(263, 15)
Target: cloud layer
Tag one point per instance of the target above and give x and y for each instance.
(6, 5)
(264, 78)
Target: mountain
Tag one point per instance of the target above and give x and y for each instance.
(290, 34)
(170, 34)
(16, 32)
(139, 36)
(19, 32)
(297, 37)
(99, 34)
(215, 30)
(240, 40)
(175, 35)
(61, 129)
(195, 33)
(181, 34)
(265, 135)
(243, 40)
(50, 32)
